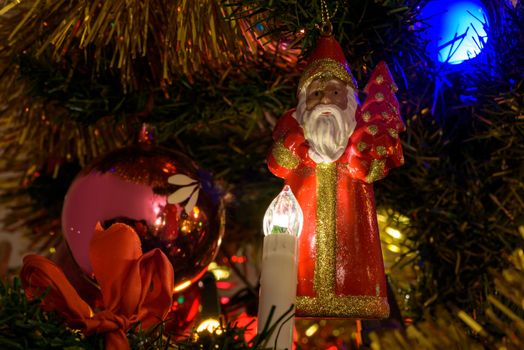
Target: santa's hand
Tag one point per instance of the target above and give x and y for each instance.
(296, 143)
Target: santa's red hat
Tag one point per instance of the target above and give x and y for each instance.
(327, 61)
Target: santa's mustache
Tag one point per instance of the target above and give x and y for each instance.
(325, 116)
(326, 130)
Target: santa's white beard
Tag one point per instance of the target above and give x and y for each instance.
(327, 129)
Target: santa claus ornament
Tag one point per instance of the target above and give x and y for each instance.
(330, 150)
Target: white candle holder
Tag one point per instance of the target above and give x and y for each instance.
(278, 283)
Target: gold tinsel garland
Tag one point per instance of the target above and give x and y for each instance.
(36, 138)
(39, 130)
(448, 330)
(50, 48)
(175, 38)
(148, 43)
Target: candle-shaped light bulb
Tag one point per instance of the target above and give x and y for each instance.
(278, 284)
(283, 215)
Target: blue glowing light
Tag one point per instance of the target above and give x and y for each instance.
(457, 29)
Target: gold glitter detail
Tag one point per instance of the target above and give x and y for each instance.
(379, 96)
(381, 150)
(379, 79)
(385, 115)
(366, 116)
(376, 170)
(394, 87)
(331, 305)
(326, 235)
(305, 171)
(326, 68)
(372, 129)
(361, 146)
(393, 133)
(284, 157)
(327, 303)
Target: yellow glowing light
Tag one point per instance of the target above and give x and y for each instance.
(470, 322)
(52, 250)
(211, 325)
(394, 248)
(393, 232)
(382, 218)
(182, 286)
(403, 219)
(196, 212)
(284, 215)
(220, 272)
(312, 330)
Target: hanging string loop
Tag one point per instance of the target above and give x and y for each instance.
(326, 27)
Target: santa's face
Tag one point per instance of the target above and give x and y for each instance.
(322, 92)
(326, 112)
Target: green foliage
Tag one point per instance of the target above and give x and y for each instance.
(71, 86)
(461, 186)
(23, 324)
(467, 204)
(369, 31)
(499, 327)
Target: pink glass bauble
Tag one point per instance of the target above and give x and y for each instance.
(170, 202)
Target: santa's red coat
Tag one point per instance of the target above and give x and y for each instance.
(340, 266)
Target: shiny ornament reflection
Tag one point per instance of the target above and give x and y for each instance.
(184, 311)
(132, 186)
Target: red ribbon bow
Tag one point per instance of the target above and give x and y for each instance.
(135, 287)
